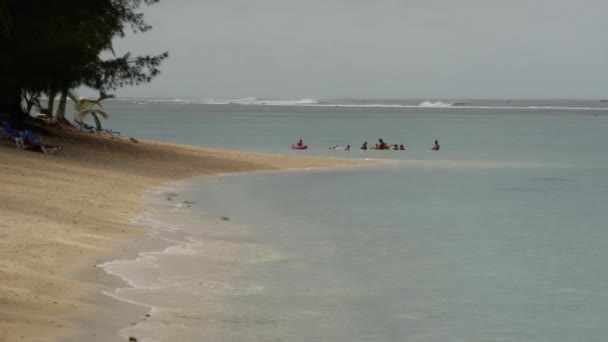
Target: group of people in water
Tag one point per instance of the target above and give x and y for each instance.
(381, 145)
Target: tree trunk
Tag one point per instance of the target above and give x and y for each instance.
(51, 103)
(30, 99)
(60, 113)
(10, 103)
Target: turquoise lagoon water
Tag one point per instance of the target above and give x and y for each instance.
(500, 236)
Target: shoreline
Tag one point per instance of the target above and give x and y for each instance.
(151, 244)
(66, 213)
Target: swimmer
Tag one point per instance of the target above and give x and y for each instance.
(436, 147)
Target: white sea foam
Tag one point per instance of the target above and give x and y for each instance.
(141, 272)
(255, 101)
(309, 102)
(436, 104)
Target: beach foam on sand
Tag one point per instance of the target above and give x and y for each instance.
(62, 214)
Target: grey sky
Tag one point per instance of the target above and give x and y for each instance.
(376, 49)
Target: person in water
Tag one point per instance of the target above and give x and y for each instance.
(436, 147)
(364, 146)
(347, 148)
(395, 147)
(401, 147)
(300, 143)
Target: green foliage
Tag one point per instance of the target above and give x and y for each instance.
(5, 19)
(89, 107)
(51, 46)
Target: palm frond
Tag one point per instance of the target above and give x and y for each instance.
(99, 112)
(91, 107)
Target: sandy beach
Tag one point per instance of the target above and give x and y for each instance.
(63, 214)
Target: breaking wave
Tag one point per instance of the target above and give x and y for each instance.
(246, 101)
(308, 102)
(436, 104)
(254, 101)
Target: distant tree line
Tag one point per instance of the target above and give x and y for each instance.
(48, 47)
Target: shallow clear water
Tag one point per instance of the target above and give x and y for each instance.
(501, 236)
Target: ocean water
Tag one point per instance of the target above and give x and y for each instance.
(500, 236)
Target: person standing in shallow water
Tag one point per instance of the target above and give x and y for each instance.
(364, 146)
(436, 147)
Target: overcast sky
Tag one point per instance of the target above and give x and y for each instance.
(376, 49)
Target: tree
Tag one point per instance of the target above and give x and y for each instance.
(31, 99)
(5, 19)
(54, 46)
(88, 107)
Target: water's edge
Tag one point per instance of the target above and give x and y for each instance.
(156, 202)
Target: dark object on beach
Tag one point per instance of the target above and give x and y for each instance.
(132, 339)
(189, 202)
(169, 198)
(133, 140)
(225, 218)
(37, 146)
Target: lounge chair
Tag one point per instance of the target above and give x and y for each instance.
(8, 129)
(24, 143)
(111, 132)
(84, 126)
(28, 134)
(90, 128)
(11, 132)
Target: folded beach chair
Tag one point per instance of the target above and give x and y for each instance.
(24, 143)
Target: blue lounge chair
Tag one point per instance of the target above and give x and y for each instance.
(8, 132)
(28, 134)
(84, 126)
(8, 129)
(90, 128)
